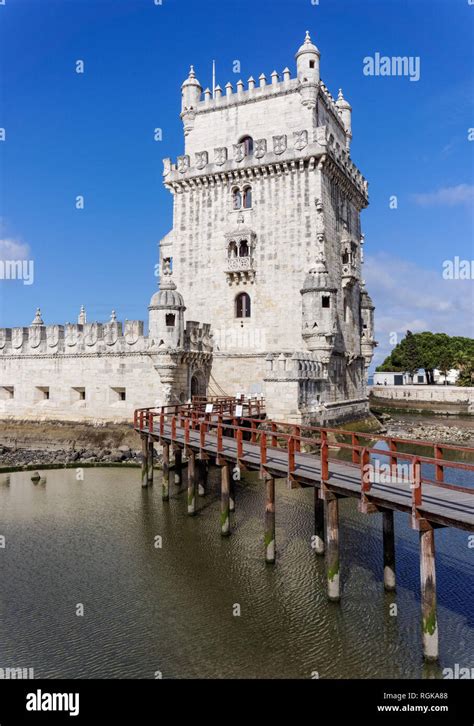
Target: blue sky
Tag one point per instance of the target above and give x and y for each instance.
(92, 134)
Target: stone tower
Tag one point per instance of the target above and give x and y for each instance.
(266, 240)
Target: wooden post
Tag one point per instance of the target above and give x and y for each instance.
(429, 624)
(332, 546)
(165, 487)
(202, 477)
(144, 460)
(225, 512)
(231, 491)
(388, 550)
(191, 482)
(270, 549)
(150, 457)
(178, 467)
(318, 523)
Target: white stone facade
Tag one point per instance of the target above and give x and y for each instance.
(267, 202)
(266, 247)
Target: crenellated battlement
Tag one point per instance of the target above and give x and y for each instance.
(74, 338)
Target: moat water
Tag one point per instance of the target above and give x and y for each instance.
(171, 609)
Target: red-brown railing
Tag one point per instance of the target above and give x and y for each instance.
(297, 439)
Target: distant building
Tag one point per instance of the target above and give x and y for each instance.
(393, 378)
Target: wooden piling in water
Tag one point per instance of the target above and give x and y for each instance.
(202, 476)
(269, 538)
(144, 460)
(429, 624)
(388, 550)
(178, 466)
(231, 490)
(332, 546)
(225, 491)
(150, 461)
(191, 482)
(165, 487)
(318, 523)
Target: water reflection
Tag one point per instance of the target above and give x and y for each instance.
(170, 608)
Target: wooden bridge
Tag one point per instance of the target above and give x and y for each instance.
(228, 432)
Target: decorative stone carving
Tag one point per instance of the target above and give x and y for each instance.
(183, 164)
(111, 332)
(202, 159)
(133, 331)
(279, 144)
(5, 335)
(220, 155)
(35, 335)
(239, 152)
(91, 333)
(260, 148)
(71, 335)
(53, 334)
(18, 335)
(300, 139)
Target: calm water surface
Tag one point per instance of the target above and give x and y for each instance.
(171, 609)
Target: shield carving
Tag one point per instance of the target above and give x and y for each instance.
(52, 335)
(17, 337)
(239, 152)
(183, 164)
(202, 158)
(91, 333)
(111, 333)
(5, 335)
(279, 144)
(220, 155)
(71, 335)
(260, 148)
(301, 139)
(133, 330)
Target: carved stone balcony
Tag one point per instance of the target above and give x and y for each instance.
(240, 269)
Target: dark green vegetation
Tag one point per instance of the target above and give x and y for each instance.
(430, 351)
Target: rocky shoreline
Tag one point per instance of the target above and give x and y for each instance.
(31, 458)
(424, 431)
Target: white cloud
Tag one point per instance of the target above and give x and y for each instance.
(446, 196)
(410, 297)
(11, 249)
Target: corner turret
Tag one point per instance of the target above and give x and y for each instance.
(166, 313)
(345, 112)
(191, 91)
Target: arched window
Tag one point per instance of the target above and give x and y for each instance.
(232, 248)
(236, 199)
(242, 305)
(247, 197)
(244, 248)
(248, 148)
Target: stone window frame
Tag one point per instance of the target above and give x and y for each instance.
(239, 197)
(242, 304)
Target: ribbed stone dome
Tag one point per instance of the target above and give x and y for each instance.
(307, 47)
(366, 300)
(317, 278)
(167, 297)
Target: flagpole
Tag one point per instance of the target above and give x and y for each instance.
(213, 79)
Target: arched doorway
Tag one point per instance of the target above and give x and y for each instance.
(198, 384)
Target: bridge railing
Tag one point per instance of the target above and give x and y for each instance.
(311, 441)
